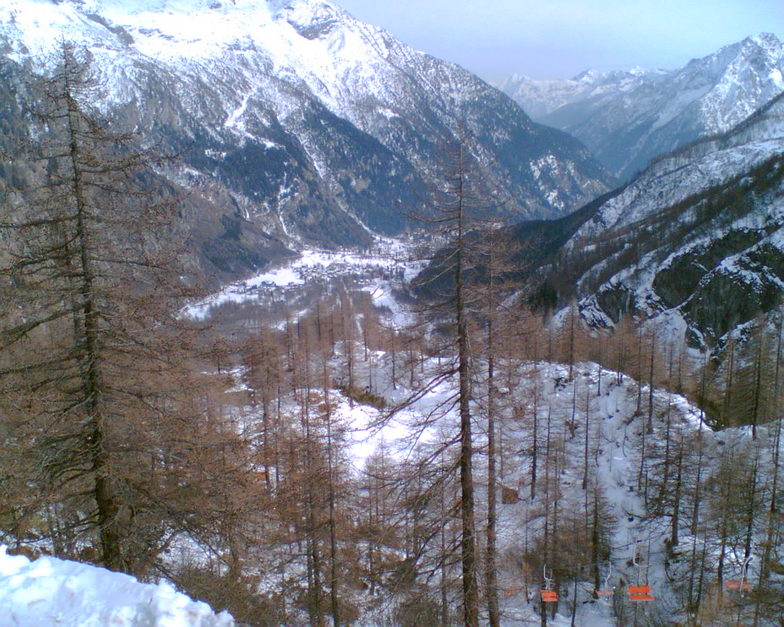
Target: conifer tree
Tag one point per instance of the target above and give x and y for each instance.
(96, 382)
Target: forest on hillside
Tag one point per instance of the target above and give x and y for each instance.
(482, 462)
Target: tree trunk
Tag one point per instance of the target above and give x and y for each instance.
(106, 499)
(468, 543)
(491, 575)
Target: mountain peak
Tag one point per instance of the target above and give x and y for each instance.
(766, 39)
(771, 46)
(767, 43)
(168, 29)
(133, 7)
(588, 75)
(120, 9)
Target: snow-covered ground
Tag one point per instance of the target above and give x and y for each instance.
(50, 591)
(637, 541)
(611, 405)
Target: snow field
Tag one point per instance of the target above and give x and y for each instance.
(614, 459)
(49, 591)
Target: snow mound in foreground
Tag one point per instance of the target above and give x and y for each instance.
(50, 591)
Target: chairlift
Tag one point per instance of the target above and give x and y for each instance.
(605, 590)
(734, 584)
(639, 592)
(548, 594)
(743, 584)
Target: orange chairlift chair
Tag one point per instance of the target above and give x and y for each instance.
(548, 594)
(742, 584)
(606, 590)
(639, 592)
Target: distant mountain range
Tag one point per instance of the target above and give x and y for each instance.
(296, 124)
(627, 118)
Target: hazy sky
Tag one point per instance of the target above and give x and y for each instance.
(560, 38)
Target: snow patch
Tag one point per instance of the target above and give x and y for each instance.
(51, 591)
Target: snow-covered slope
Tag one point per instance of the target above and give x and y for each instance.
(570, 440)
(628, 118)
(675, 176)
(293, 119)
(50, 591)
(697, 239)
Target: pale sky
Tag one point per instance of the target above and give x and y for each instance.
(560, 38)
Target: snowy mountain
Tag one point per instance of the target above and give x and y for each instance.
(627, 118)
(696, 240)
(295, 122)
(541, 97)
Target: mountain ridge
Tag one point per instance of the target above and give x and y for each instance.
(297, 121)
(695, 239)
(627, 118)
(694, 244)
